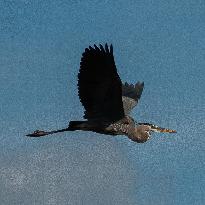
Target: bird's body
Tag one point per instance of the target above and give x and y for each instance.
(120, 127)
(107, 101)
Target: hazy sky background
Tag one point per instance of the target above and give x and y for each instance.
(159, 42)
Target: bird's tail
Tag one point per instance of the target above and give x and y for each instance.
(76, 125)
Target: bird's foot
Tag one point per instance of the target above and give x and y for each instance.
(37, 133)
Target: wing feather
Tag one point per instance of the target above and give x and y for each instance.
(131, 95)
(99, 85)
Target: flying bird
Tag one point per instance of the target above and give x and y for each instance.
(107, 101)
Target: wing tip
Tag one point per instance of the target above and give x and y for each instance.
(111, 49)
(102, 48)
(138, 84)
(105, 49)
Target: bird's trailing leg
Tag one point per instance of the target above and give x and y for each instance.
(73, 125)
(40, 133)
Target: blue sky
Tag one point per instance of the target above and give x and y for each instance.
(161, 43)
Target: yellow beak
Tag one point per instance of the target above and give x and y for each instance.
(160, 129)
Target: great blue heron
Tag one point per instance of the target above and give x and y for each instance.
(107, 101)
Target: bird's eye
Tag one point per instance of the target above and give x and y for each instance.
(148, 132)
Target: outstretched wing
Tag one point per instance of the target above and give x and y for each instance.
(99, 85)
(131, 95)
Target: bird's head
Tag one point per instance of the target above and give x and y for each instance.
(142, 132)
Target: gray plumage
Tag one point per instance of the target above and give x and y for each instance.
(131, 95)
(107, 101)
